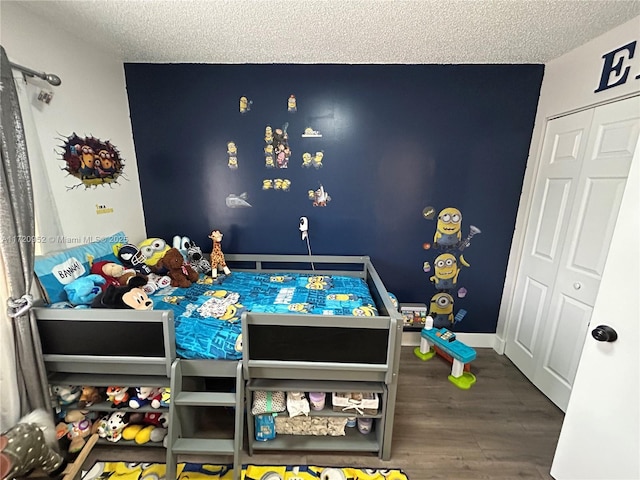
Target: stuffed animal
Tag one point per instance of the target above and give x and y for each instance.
(196, 259)
(146, 396)
(118, 396)
(117, 275)
(123, 297)
(153, 250)
(132, 257)
(89, 396)
(217, 257)
(66, 394)
(76, 429)
(30, 444)
(111, 426)
(142, 434)
(83, 290)
(181, 273)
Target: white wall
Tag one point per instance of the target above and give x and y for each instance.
(569, 84)
(91, 101)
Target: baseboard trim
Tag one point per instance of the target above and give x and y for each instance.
(474, 340)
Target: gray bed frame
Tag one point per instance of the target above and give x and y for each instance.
(79, 352)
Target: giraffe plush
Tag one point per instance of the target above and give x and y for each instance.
(217, 257)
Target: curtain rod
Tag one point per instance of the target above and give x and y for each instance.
(49, 77)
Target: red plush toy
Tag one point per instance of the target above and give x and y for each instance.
(116, 274)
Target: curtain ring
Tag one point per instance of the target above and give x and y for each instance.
(18, 307)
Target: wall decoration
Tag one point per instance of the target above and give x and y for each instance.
(448, 237)
(306, 159)
(311, 133)
(269, 162)
(351, 106)
(268, 135)
(102, 209)
(429, 212)
(237, 201)
(283, 184)
(319, 197)
(92, 161)
(245, 104)
(316, 160)
(292, 104)
(232, 152)
(281, 148)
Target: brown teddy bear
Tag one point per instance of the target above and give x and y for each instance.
(181, 273)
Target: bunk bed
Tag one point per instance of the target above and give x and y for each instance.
(280, 351)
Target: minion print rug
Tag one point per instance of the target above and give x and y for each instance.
(197, 471)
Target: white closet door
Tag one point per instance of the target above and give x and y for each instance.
(584, 166)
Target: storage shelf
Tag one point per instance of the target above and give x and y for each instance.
(107, 407)
(352, 441)
(104, 380)
(129, 443)
(328, 412)
(272, 385)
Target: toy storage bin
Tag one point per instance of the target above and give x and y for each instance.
(318, 426)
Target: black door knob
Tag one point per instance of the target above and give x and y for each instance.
(604, 333)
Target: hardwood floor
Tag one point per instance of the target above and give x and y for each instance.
(502, 428)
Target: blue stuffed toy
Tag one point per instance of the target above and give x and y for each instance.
(83, 290)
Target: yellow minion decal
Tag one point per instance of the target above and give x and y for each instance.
(245, 104)
(441, 310)
(306, 159)
(446, 271)
(231, 148)
(448, 228)
(268, 135)
(292, 104)
(267, 184)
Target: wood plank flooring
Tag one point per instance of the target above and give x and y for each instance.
(503, 428)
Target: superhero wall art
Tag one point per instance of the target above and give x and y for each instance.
(91, 161)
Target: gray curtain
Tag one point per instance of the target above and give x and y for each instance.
(17, 225)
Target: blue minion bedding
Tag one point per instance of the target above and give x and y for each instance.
(207, 314)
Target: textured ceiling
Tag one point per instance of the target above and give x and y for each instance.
(337, 31)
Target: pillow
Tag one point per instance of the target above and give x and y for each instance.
(55, 270)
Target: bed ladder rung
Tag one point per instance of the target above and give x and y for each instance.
(206, 399)
(210, 446)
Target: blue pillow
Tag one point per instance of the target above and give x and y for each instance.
(55, 270)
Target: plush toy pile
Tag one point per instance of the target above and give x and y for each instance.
(142, 270)
(76, 422)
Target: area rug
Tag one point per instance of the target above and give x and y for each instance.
(198, 471)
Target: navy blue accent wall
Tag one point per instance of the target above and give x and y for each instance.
(396, 138)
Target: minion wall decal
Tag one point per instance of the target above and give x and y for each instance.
(447, 265)
(448, 228)
(311, 133)
(292, 104)
(446, 271)
(441, 310)
(276, 150)
(319, 197)
(91, 161)
(281, 184)
(245, 104)
(232, 152)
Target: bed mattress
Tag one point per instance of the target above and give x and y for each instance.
(207, 314)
